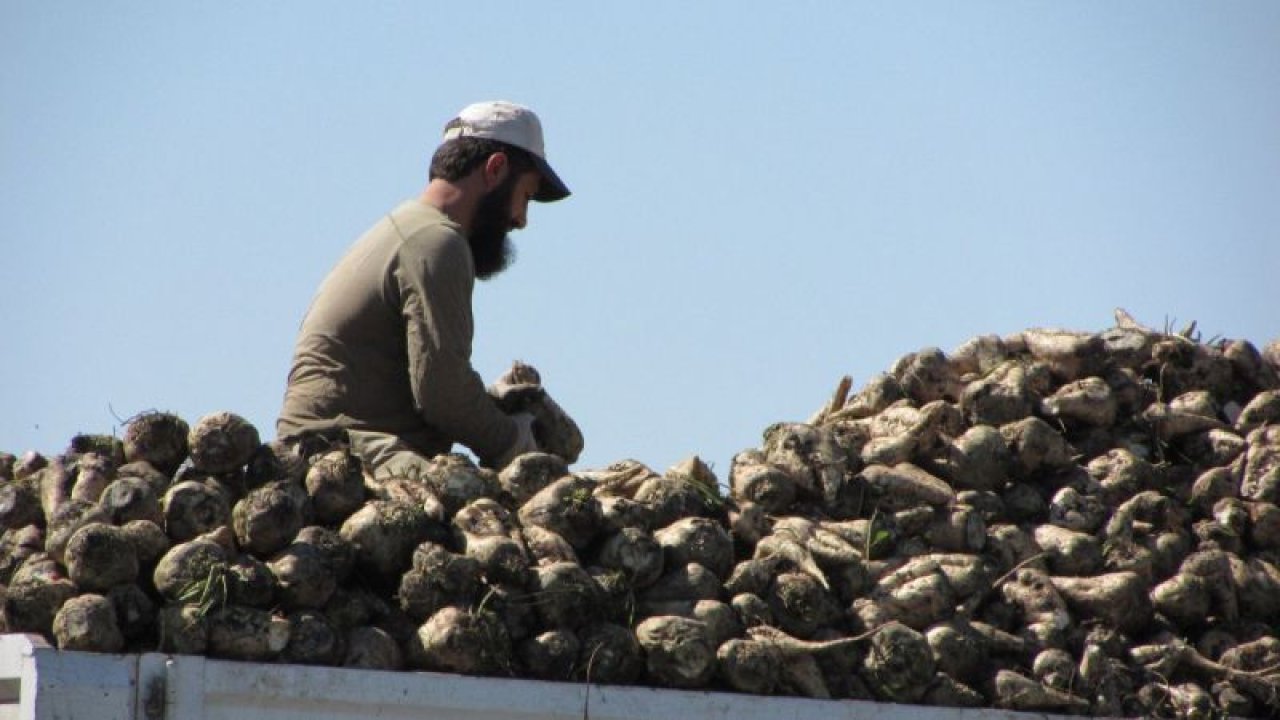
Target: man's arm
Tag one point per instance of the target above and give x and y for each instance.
(435, 279)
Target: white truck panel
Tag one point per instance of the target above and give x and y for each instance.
(38, 682)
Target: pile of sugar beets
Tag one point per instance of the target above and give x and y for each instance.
(1068, 522)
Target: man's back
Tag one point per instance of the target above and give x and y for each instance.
(350, 367)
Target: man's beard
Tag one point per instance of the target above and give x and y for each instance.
(491, 249)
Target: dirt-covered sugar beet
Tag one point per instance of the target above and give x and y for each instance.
(37, 590)
(335, 485)
(385, 534)
(268, 517)
(222, 442)
(192, 508)
(100, 557)
(158, 438)
(88, 622)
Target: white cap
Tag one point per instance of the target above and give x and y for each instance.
(514, 125)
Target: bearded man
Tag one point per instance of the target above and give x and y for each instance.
(384, 352)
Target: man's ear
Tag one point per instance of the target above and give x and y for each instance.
(496, 169)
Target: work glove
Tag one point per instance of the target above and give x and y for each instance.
(520, 390)
(525, 441)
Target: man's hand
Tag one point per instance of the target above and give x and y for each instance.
(525, 441)
(520, 390)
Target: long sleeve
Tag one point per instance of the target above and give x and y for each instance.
(434, 280)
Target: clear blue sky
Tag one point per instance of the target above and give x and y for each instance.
(767, 196)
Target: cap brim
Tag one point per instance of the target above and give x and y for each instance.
(551, 188)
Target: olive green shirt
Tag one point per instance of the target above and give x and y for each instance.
(386, 343)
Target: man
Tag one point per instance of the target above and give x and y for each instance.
(384, 352)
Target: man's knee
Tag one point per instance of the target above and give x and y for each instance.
(384, 454)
